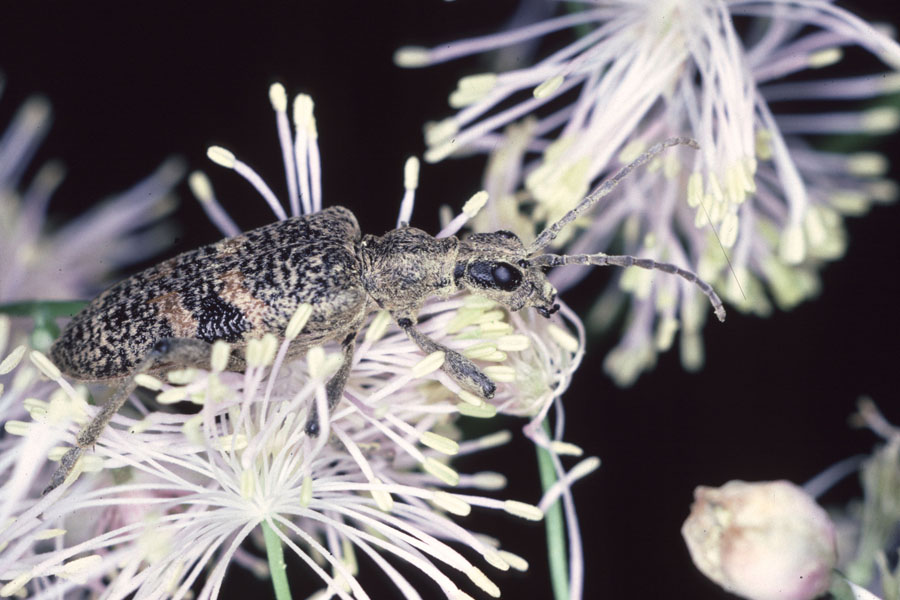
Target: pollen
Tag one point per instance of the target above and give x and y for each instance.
(563, 338)
(501, 373)
(412, 56)
(513, 343)
(881, 120)
(451, 503)
(148, 381)
(20, 428)
(442, 444)
(77, 570)
(261, 352)
(231, 442)
(825, 57)
(474, 204)
(278, 97)
(378, 327)
(298, 320)
(382, 498)
(493, 440)
(472, 89)
(181, 376)
(201, 187)
(429, 364)
(548, 87)
(514, 560)
(45, 365)
(220, 353)
(315, 360)
(565, 448)
(493, 558)
(523, 510)
(488, 480)
(49, 534)
(494, 329)
(470, 398)
(172, 395)
(868, 164)
(12, 360)
(481, 580)
(411, 173)
(440, 132)
(441, 471)
(221, 156)
(792, 246)
(480, 351)
(304, 120)
(483, 410)
(306, 491)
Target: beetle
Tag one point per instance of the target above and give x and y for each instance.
(240, 288)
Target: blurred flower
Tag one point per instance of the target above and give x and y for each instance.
(166, 498)
(873, 523)
(758, 208)
(763, 541)
(73, 261)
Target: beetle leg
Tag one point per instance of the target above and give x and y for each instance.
(462, 370)
(175, 351)
(334, 389)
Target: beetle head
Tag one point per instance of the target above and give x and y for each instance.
(495, 265)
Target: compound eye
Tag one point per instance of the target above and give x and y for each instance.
(506, 276)
(495, 275)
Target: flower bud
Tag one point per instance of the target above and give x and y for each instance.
(763, 541)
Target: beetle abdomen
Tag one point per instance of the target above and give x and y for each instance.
(233, 290)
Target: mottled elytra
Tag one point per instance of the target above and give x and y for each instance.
(244, 287)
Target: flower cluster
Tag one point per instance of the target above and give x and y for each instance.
(867, 529)
(166, 501)
(76, 259)
(759, 208)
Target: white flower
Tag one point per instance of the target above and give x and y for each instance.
(534, 357)
(169, 497)
(763, 541)
(173, 496)
(758, 207)
(872, 522)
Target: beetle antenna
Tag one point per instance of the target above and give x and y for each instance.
(549, 234)
(602, 260)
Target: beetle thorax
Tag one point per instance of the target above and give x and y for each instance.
(405, 267)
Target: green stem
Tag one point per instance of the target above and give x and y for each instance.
(44, 313)
(277, 568)
(50, 308)
(556, 528)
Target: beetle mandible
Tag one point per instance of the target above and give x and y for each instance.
(243, 287)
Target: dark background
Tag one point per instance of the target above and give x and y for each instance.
(132, 87)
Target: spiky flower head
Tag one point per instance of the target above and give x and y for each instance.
(174, 498)
(758, 210)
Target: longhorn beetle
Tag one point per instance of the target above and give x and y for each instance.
(243, 287)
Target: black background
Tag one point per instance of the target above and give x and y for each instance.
(132, 86)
